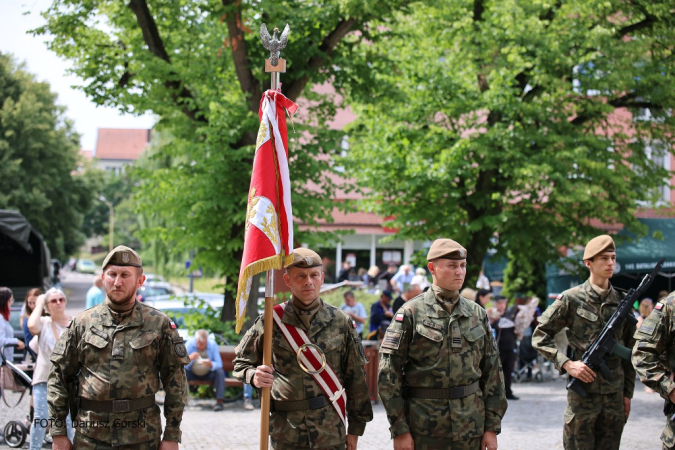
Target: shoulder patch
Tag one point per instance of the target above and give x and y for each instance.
(173, 325)
(69, 322)
(392, 339)
(658, 306)
(399, 317)
(559, 297)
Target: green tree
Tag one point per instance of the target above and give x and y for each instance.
(508, 123)
(39, 159)
(198, 66)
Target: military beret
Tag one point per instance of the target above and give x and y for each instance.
(598, 245)
(446, 249)
(122, 256)
(305, 258)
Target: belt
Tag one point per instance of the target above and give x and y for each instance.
(300, 405)
(443, 393)
(117, 406)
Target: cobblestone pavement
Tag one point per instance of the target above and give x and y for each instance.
(532, 423)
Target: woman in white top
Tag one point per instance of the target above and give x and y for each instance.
(49, 329)
(6, 330)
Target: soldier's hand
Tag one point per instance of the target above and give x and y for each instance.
(579, 370)
(61, 443)
(168, 445)
(404, 442)
(626, 407)
(263, 377)
(489, 441)
(352, 439)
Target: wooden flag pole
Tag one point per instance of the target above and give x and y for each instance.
(274, 45)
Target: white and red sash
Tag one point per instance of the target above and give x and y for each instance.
(311, 358)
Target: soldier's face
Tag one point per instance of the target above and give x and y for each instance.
(305, 284)
(602, 264)
(448, 273)
(121, 282)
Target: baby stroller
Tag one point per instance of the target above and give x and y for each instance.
(15, 379)
(531, 365)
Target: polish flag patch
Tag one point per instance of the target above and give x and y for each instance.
(173, 325)
(658, 306)
(399, 317)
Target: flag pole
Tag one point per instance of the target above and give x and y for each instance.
(274, 66)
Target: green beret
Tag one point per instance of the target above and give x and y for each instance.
(598, 245)
(446, 249)
(305, 258)
(122, 256)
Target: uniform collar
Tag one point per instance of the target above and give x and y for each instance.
(320, 320)
(107, 319)
(593, 297)
(434, 309)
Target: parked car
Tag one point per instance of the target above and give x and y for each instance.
(162, 287)
(174, 306)
(151, 277)
(214, 300)
(144, 292)
(85, 266)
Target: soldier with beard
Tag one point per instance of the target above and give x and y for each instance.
(119, 351)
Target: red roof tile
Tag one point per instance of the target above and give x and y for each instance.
(118, 143)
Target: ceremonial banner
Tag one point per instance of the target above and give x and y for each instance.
(268, 239)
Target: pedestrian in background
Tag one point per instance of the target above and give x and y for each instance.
(28, 306)
(597, 420)
(354, 310)
(412, 292)
(420, 278)
(505, 327)
(49, 329)
(372, 274)
(402, 279)
(95, 293)
(344, 272)
(6, 330)
(381, 314)
(483, 297)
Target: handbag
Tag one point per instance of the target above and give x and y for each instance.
(10, 382)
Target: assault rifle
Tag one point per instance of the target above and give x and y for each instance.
(605, 344)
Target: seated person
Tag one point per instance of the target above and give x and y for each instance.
(380, 315)
(206, 364)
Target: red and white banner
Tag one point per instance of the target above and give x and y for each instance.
(315, 361)
(268, 238)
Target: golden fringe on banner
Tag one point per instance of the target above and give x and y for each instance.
(263, 265)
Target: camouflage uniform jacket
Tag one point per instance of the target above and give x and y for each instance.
(125, 361)
(654, 351)
(418, 351)
(582, 312)
(333, 331)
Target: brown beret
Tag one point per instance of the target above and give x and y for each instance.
(122, 256)
(446, 249)
(305, 258)
(598, 245)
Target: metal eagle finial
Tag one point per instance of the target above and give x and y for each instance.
(273, 44)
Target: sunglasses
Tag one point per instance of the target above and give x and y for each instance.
(57, 300)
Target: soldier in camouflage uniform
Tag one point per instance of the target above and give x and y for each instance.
(440, 379)
(594, 422)
(302, 416)
(119, 351)
(654, 359)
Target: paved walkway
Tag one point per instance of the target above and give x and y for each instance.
(532, 423)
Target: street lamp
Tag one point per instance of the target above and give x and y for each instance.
(112, 220)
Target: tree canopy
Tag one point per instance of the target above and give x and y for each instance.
(514, 124)
(198, 66)
(39, 159)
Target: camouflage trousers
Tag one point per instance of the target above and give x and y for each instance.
(430, 443)
(83, 442)
(594, 422)
(284, 446)
(668, 435)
